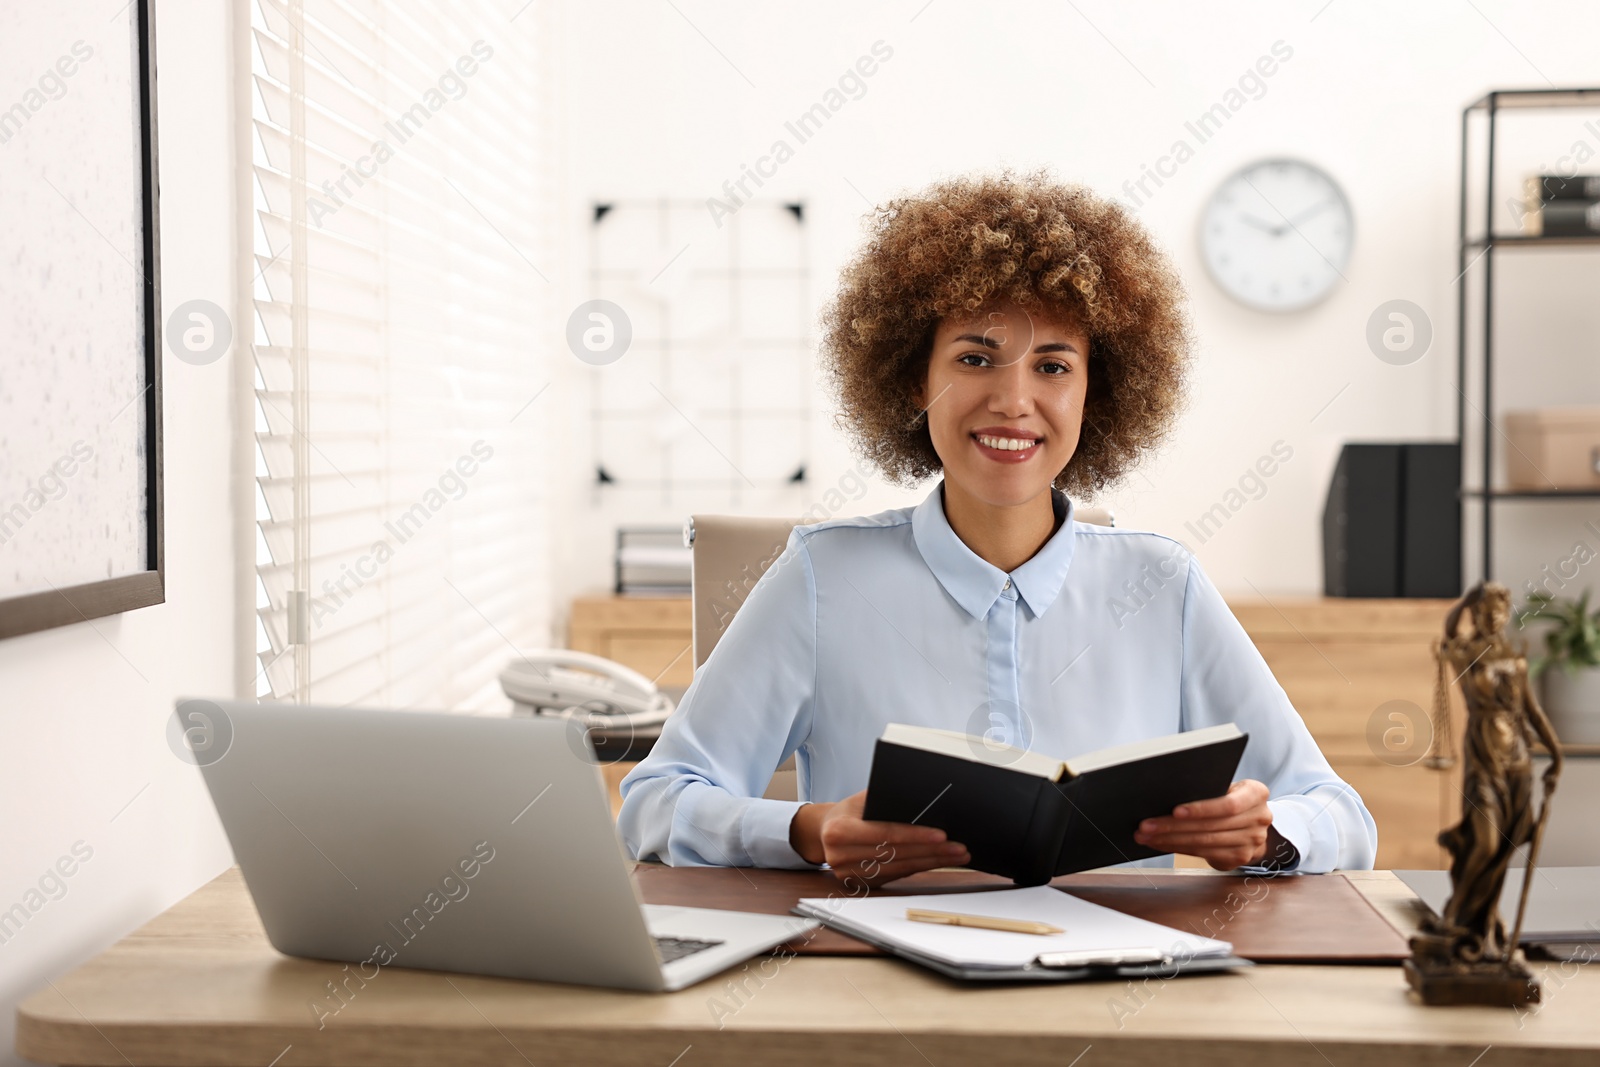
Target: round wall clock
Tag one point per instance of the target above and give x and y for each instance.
(1276, 235)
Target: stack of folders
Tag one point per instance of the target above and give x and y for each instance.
(652, 561)
(1092, 942)
(1561, 206)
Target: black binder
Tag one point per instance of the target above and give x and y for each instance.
(1392, 524)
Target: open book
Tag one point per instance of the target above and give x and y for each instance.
(1031, 817)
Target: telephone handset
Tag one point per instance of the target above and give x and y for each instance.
(566, 683)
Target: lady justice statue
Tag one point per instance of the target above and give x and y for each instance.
(1464, 956)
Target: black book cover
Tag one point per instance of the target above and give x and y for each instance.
(1031, 829)
(1107, 805)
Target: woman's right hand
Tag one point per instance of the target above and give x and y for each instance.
(875, 852)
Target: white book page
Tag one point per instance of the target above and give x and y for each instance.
(1155, 746)
(973, 749)
(979, 750)
(1089, 927)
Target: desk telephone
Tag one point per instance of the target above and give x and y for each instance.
(564, 683)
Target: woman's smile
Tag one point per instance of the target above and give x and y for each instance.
(1007, 444)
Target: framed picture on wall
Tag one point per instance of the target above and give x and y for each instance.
(80, 316)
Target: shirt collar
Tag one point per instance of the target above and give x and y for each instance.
(976, 584)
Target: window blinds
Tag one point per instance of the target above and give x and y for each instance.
(399, 177)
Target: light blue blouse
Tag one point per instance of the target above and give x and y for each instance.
(1105, 636)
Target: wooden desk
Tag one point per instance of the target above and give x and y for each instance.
(200, 985)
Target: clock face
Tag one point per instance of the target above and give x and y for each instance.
(1277, 235)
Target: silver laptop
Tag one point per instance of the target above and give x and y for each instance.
(1563, 902)
(447, 842)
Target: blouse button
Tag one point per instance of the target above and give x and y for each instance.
(1007, 585)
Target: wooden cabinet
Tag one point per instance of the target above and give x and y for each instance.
(653, 635)
(1360, 672)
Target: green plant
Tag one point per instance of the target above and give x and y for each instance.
(1574, 641)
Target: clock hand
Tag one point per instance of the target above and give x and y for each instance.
(1289, 224)
(1258, 224)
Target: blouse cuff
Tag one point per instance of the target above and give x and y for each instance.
(764, 829)
(1290, 822)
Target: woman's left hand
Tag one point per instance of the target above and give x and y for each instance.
(1229, 831)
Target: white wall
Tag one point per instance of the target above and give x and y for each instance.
(84, 755)
(1373, 93)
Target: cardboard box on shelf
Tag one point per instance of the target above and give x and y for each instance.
(1553, 448)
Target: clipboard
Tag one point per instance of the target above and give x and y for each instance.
(1104, 968)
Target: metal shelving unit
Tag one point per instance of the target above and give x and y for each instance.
(1485, 247)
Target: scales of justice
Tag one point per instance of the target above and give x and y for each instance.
(1464, 955)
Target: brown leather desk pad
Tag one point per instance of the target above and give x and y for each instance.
(1294, 918)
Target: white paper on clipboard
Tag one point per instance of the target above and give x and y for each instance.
(1093, 934)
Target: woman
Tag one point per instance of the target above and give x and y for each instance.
(1024, 339)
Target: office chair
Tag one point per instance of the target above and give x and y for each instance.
(731, 552)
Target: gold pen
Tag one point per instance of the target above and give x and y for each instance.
(983, 922)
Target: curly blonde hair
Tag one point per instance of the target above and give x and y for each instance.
(974, 242)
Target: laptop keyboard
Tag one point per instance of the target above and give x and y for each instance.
(676, 948)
